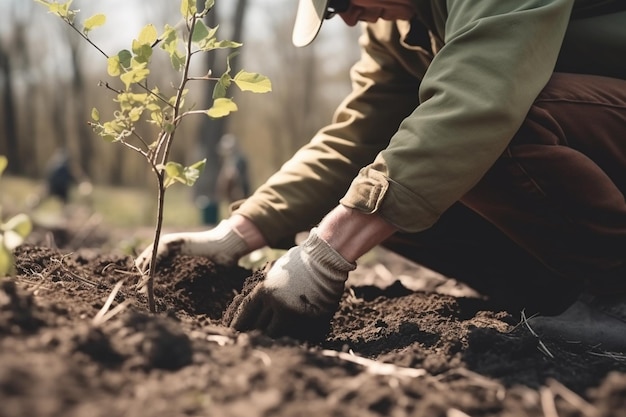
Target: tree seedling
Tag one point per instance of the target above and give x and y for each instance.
(139, 102)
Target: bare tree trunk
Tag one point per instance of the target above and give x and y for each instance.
(9, 114)
(79, 111)
(211, 130)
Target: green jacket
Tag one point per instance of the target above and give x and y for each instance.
(434, 104)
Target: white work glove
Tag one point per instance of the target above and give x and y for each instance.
(222, 244)
(299, 295)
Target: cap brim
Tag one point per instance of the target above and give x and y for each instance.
(309, 19)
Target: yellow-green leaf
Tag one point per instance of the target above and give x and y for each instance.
(199, 165)
(6, 260)
(137, 74)
(119, 62)
(148, 35)
(94, 21)
(113, 66)
(3, 163)
(15, 231)
(60, 9)
(19, 224)
(173, 173)
(249, 81)
(208, 5)
(221, 107)
(225, 44)
(174, 169)
(188, 8)
(95, 115)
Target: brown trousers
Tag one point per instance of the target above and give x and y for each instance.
(549, 219)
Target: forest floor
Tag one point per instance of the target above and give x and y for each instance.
(402, 343)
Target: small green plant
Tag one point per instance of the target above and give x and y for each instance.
(138, 102)
(12, 234)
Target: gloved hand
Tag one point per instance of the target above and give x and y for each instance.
(299, 295)
(222, 244)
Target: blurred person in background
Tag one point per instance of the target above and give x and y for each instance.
(60, 177)
(483, 139)
(233, 183)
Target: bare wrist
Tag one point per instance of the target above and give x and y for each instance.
(353, 233)
(248, 231)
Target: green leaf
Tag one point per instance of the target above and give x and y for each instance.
(221, 107)
(169, 39)
(221, 87)
(142, 46)
(93, 22)
(143, 53)
(95, 115)
(178, 60)
(3, 163)
(117, 64)
(249, 81)
(200, 32)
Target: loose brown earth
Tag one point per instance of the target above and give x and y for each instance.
(391, 351)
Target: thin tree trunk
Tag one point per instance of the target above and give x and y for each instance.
(211, 130)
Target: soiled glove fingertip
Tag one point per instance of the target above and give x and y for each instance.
(233, 309)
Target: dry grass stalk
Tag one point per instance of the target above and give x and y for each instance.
(375, 367)
(541, 346)
(548, 406)
(99, 318)
(453, 412)
(571, 397)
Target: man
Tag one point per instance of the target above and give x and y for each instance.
(464, 146)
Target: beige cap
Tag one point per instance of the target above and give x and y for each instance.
(309, 20)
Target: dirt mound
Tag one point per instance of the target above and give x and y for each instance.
(390, 351)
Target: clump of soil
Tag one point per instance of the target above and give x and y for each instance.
(390, 351)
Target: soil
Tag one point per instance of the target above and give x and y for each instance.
(399, 346)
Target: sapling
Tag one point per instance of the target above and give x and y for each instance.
(12, 234)
(139, 102)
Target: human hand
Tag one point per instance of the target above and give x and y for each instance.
(222, 244)
(299, 295)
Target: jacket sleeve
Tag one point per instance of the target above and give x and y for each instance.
(311, 183)
(496, 58)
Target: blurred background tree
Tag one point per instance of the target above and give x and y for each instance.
(49, 83)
